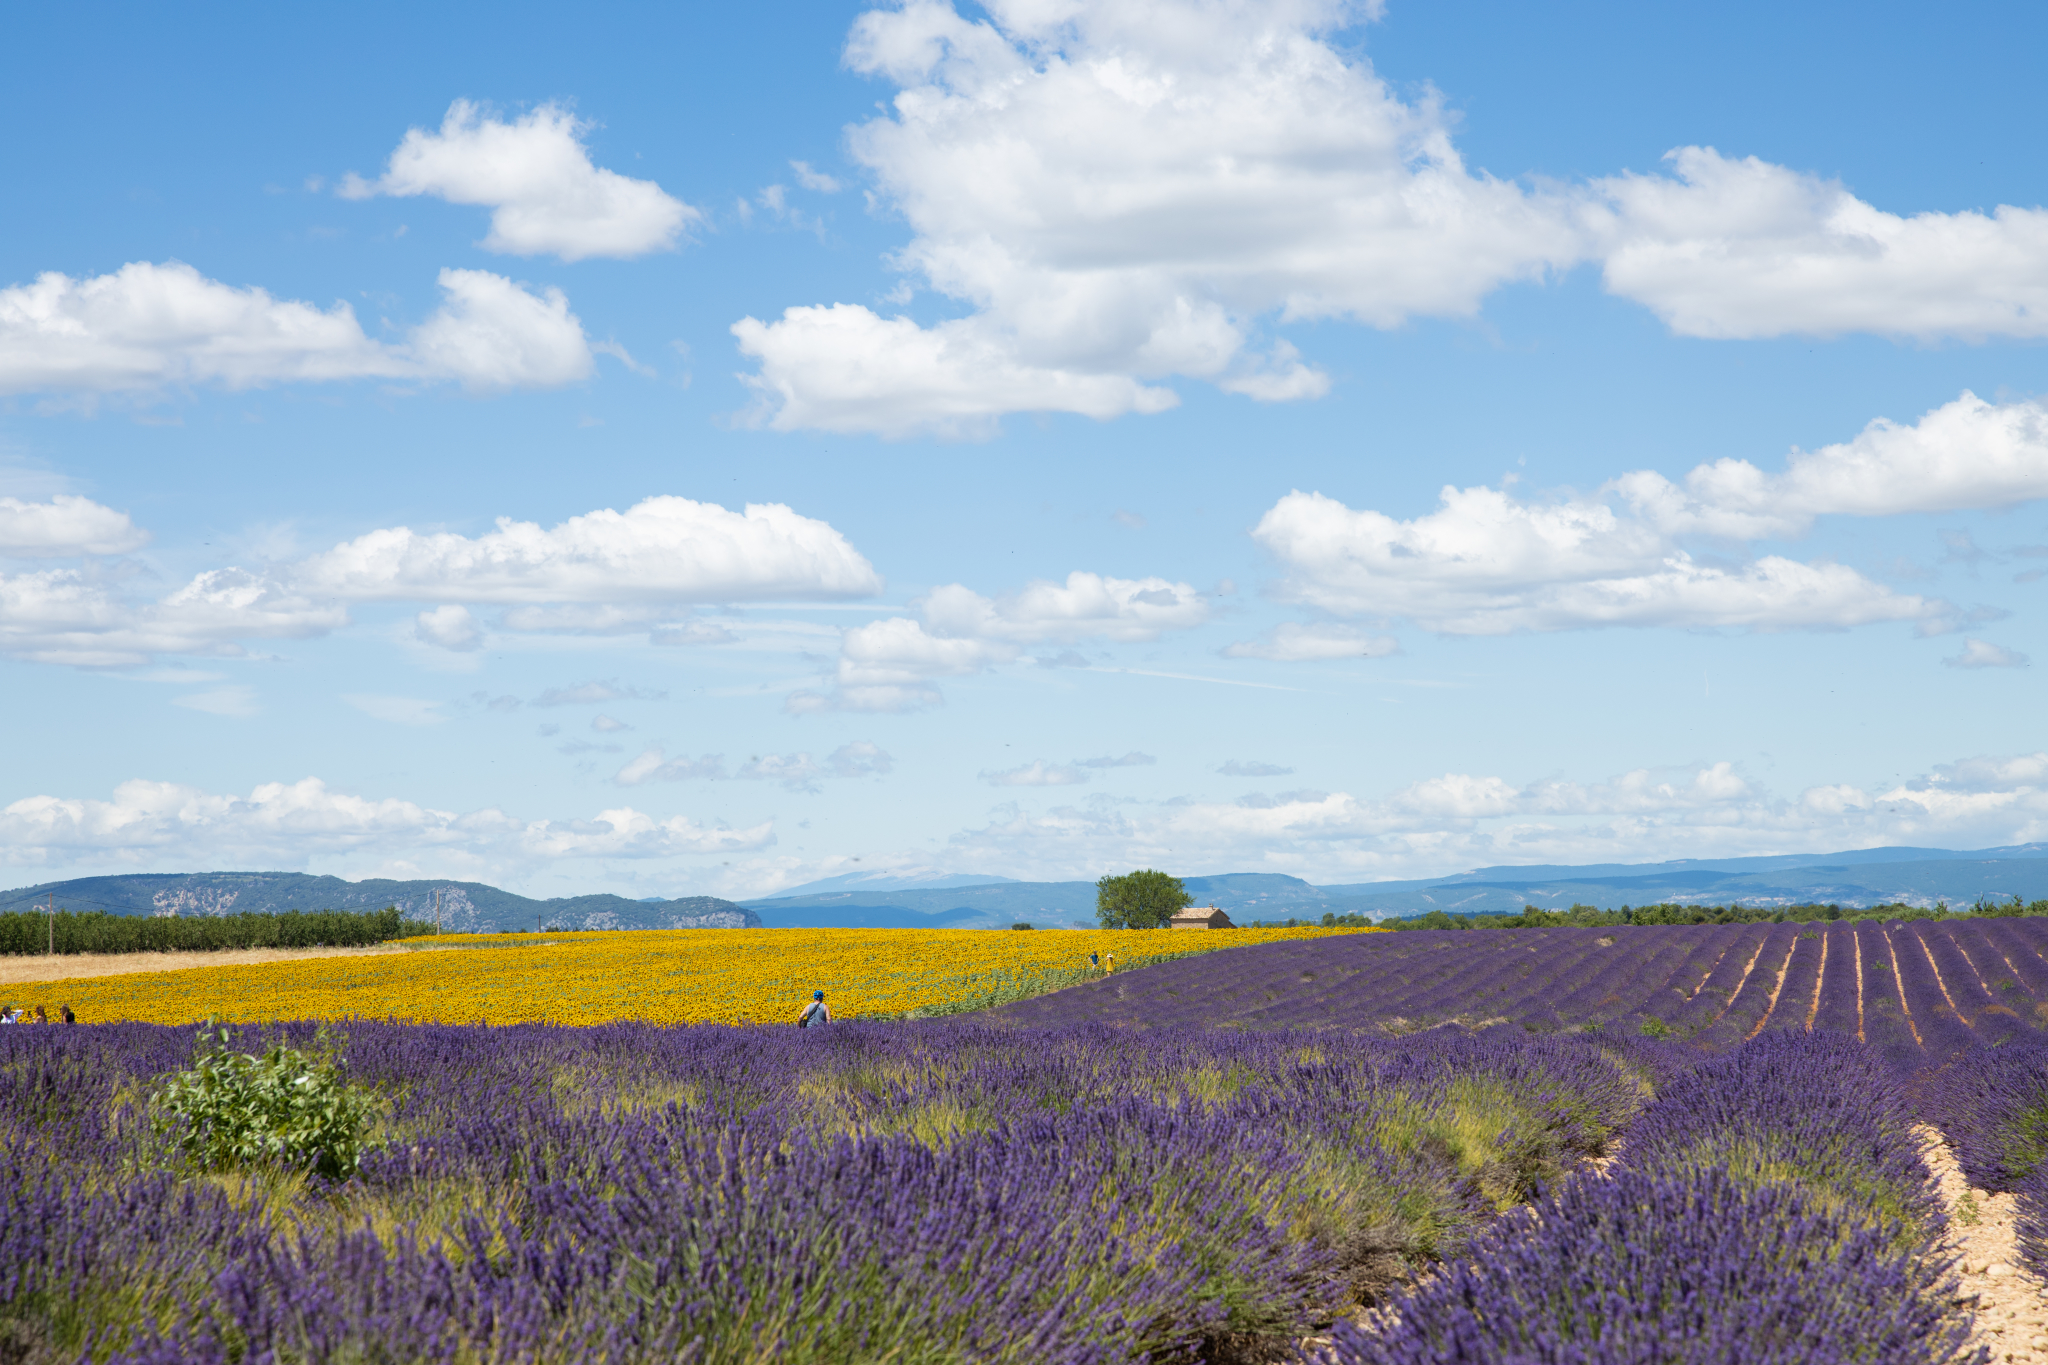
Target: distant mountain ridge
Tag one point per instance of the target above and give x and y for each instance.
(466, 907)
(1858, 877)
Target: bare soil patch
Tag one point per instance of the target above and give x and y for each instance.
(18, 971)
(2012, 1314)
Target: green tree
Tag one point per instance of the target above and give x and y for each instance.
(1139, 900)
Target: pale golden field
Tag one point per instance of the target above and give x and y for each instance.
(676, 976)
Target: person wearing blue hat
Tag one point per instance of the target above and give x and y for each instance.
(817, 1012)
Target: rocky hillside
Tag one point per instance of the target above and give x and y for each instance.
(465, 907)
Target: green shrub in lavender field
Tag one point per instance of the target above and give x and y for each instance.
(284, 1107)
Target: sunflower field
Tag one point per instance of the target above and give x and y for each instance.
(681, 976)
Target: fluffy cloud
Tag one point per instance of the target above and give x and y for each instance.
(64, 526)
(602, 572)
(286, 824)
(1983, 654)
(492, 334)
(797, 772)
(1742, 248)
(1132, 190)
(1487, 564)
(1119, 191)
(888, 665)
(1293, 641)
(1964, 454)
(536, 177)
(450, 627)
(146, 326)
(85, 618)
(665, 550)
(842, 368)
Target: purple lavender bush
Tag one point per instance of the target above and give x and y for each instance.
(943, 1190)
(1992, 1106)
(1688, 1266)
(966, 1189)
(1818, 1111)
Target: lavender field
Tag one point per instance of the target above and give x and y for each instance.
(1913, 991)
(1074, 1190)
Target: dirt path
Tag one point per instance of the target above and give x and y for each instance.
(2011, 1305)
(21, 971)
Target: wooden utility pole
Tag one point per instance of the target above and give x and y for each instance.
(53, 924)
(437, 911)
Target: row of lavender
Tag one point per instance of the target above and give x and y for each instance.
(1907, 989)
(1992, 1103)
(911, 1192)
(957, 1192)
(1770, 1206)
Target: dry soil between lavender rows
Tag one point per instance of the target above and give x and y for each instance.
(2012, 1314)
(18, 971)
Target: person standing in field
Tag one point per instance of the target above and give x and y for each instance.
(41, 1018)
(64, 1013)
(1095, 962)
(817, 1012)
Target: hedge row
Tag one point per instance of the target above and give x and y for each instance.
(98, 932)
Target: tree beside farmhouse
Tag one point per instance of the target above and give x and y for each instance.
(1139, 900)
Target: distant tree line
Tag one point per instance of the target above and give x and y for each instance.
(96, 931)
(1587, 916)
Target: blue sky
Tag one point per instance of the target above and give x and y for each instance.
(708, 449)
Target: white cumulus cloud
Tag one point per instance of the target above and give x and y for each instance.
(1130, 191)
(65, 526)
(604, 572)
(1485, 563)
(1120, 191)
(287, 824)
(1737, 247)
(88, 618)
(1964, 454)
(665, 550)
(147, 326)
(888, 665)
(843, 368)
(450, 627)
(536, 177)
